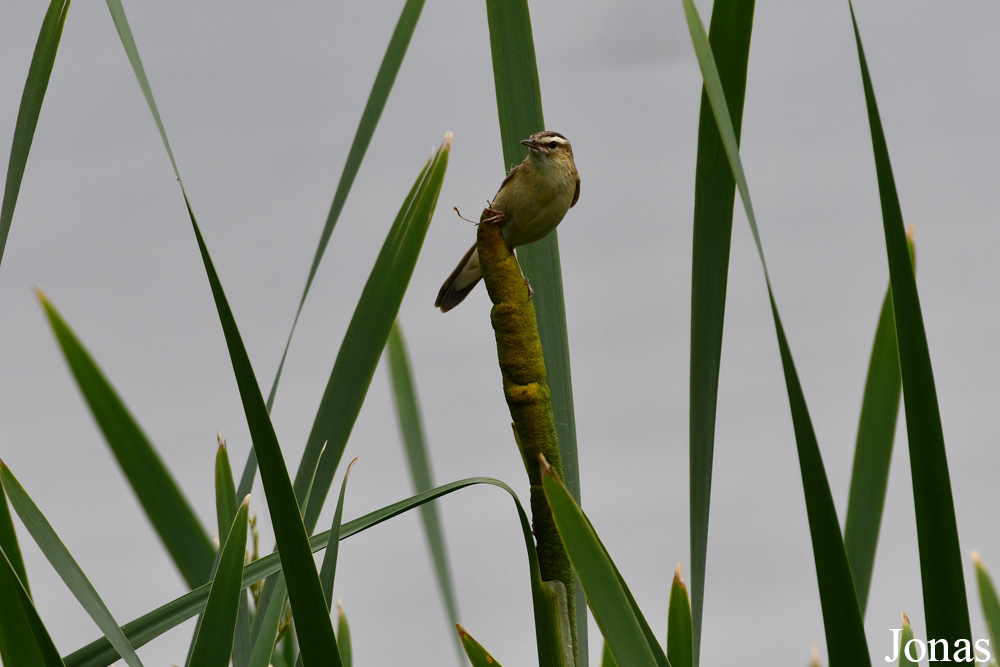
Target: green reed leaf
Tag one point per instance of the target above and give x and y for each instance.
(905, 637)
(989, 600)
(328, 569)
(24, 641)
(147, 627)
(313, 626)
(368, 333)
(359, 354)
(680, 643)
(478, 656)
(946, 607)
(35, 86)
(610, 605)
(384, 80)
(714, 193)
(846, 640)
(165, 506)
(65, 566)
(344, 636)
(8, 542)
(410, 424)
(873, 450)
(214, 644)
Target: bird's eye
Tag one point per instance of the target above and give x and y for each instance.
(552, 144)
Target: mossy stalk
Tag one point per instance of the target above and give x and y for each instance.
(522, 366)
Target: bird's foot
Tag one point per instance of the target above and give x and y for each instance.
(531, 292)
(495, 216)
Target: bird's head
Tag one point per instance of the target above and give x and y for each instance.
(549, 145)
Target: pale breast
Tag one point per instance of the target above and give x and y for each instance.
(531, 218)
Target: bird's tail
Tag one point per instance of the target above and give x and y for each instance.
(461, 281)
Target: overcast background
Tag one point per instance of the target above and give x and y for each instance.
(261, 102)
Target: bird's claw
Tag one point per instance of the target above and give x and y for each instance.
(531, 291)
(495, 216)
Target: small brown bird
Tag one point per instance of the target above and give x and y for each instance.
(532, 200)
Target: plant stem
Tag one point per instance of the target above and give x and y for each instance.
(519, 351)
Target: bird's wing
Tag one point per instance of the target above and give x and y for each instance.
(507, 180)
(576, 194)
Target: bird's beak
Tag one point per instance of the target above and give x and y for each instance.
(532, 145)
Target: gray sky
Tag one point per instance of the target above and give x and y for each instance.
(261, 104)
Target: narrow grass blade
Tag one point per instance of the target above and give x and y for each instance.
(989, 600)
(272, 609)
(149, 626)
(367, 335)
(714, 192)
(218, 627)
(35, 85)
(128, 41)
(946, 607)
(225, 487)
(478, 656)
(408, 412)
(99, 653)
(266, 621)
(225, 490)
(608, 602)
(17, 645)
(270, 612)
(64, 565)
(344, 636)
(166, 507)
(313, 626)
(384, 80)
(842, 621)
(8, 542)
(24, 641)
(841, 615)
(515, 75)
(651, 640)
(312, 479)
(328, 569)
(658, 653)
(519, 108)
(360, 352)
(132, 52)
(905, 637)
(873, 451)
(680, 645)
(225, 510)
